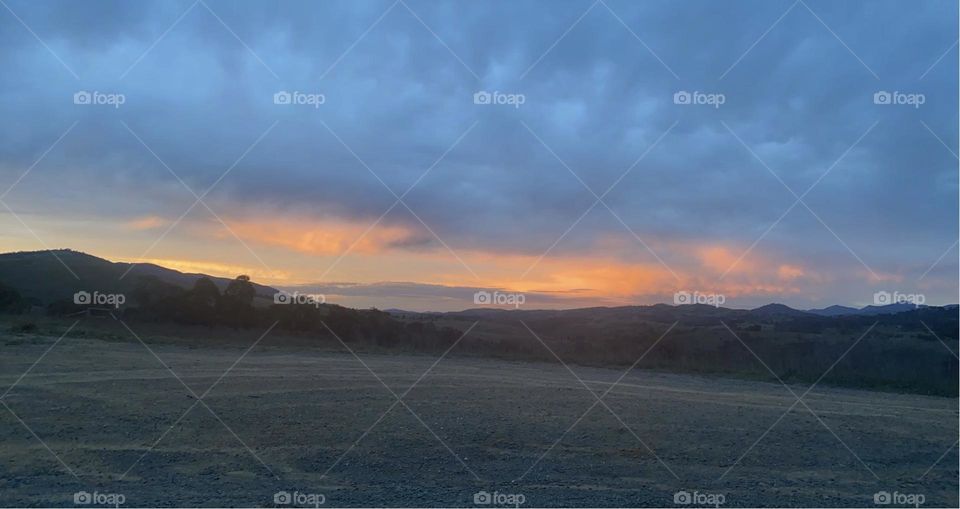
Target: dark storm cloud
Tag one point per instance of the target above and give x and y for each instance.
(401, 97)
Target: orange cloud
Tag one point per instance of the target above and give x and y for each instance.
(330, 237)
(622, 273)
(626, 282)
(789, 272)
(579, 277)
(721, 259)
(145, 223)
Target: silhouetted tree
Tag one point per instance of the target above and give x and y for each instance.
(205, 292)
(236, 304)
(240, 290)
(11, 301)
(202, 301)
(151, 291)
(159, 299)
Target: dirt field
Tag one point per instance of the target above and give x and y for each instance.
(124, 424)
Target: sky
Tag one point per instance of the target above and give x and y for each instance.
(408, 154)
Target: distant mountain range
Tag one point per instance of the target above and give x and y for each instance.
(865, 311)
(40, 276)
(769, 311)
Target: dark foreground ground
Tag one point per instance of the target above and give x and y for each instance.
(283, 418)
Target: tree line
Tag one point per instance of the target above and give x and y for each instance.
(238, 306)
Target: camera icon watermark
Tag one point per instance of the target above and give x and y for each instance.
(99, 499)
(496, 498)
(882, 97)
(885, 298)
(311, 299)
(299, 499)
(498, 298)
(498, 98)
(698, 98)
(698, 498)
(897, 498)
(684, 297)
(84, 298)
(296, 98)
(84, 97)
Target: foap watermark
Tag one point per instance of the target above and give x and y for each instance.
(698, 498)
(497, 298)
(897, 498)
(299, 499)
(312, 299)
(496, 498)
(84, 298)
(96, 98)
(684, 297)
(497, 97)
(896, 97)
(99, 499)
(698, 98)
(884, 298)
(299, 98)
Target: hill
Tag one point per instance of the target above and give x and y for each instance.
(888, 309)
(865, 311)
(40, 277)
(834, 310)
(777, 310)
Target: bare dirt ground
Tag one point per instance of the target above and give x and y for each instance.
(311, 422)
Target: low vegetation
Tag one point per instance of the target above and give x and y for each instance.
(909, 351)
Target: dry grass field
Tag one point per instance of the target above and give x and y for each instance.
(307, 422)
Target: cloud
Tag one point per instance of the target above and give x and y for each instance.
(146, 223)
(399, 120)
(326, 236)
